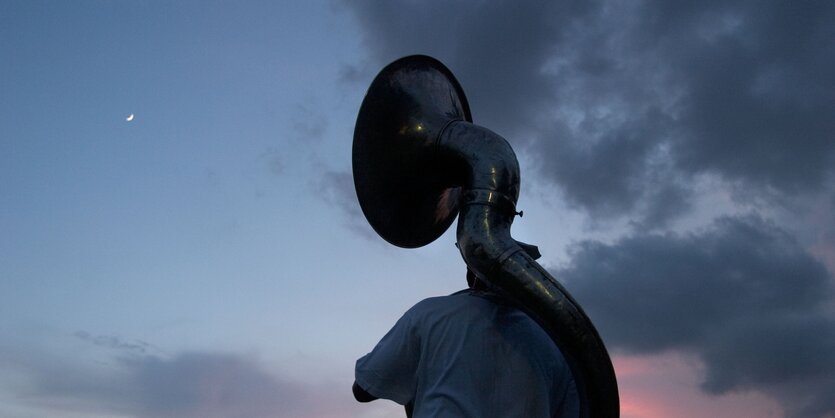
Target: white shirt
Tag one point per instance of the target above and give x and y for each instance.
(470, 354)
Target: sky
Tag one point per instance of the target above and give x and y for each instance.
(208, 258)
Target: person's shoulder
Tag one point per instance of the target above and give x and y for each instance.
(435, 301)
(463, 300)
(440, 302)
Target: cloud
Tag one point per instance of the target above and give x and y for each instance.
(308, 125)
(113, 376)
(114, 342)
(498, 47)
(650, 387)
(203, 384)
(742, 295)
(274, 161)
(625, 104)
(337, 188)
(191, 384)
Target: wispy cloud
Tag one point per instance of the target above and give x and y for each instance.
(126, 381)
(308, 125)
(337, 188)
(115, 342)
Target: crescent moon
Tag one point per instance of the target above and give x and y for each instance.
(129, 118)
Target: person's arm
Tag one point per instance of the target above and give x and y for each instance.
(361, 395)
(389, 371)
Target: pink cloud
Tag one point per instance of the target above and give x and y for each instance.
(667, 385)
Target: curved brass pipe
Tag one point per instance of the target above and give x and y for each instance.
(488, 173)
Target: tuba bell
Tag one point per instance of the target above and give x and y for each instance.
(418, 161)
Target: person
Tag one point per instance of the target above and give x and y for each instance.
(471, 354)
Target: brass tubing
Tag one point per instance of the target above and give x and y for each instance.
(487, 170)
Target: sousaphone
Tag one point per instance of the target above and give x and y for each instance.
(419, 161)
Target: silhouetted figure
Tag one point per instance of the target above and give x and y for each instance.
(470, 354)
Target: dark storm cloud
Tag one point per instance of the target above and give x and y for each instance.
(498, 47)
(624, 104)
(758, 87)
(742, 295)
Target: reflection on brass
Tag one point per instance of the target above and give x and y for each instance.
(411, 183)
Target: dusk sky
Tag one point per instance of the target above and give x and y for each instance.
(208, 258)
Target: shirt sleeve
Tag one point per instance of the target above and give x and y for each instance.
(389, 371)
